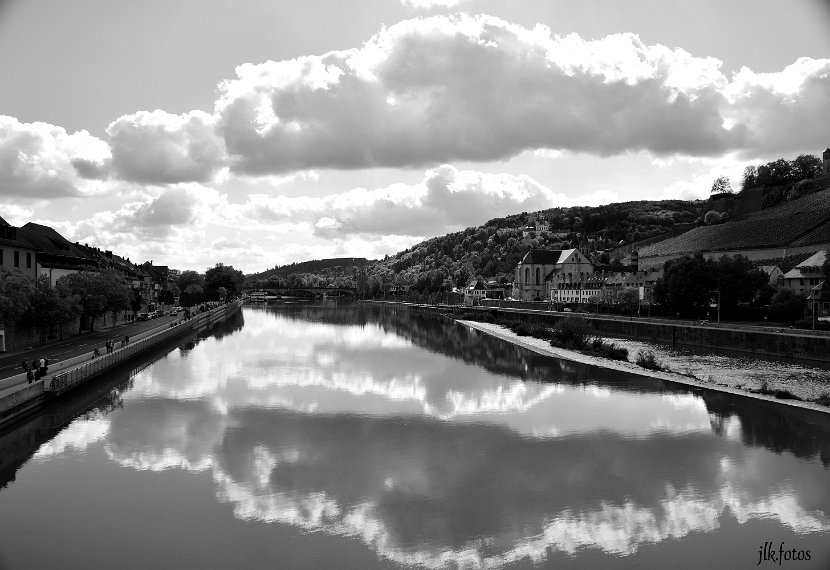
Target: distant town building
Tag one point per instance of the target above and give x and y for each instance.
(807, 274)
(56, 255)
(478, 290)
(15, 251)
(542, 269)
(826, 162)
(475, 292)
(774, 272)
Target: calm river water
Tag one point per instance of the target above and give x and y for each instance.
(324, 436)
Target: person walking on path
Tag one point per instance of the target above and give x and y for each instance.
(30, 376)
(126, 340)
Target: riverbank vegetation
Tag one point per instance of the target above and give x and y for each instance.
(570, 333)
(492, 250)
(647, 360)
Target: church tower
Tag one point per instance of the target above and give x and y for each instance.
(825, 169)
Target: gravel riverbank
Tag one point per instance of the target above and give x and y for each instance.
(733, 380)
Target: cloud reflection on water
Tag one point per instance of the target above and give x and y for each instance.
(439, 461)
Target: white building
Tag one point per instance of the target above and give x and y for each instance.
(806, 274)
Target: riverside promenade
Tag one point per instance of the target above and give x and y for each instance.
(78, 363)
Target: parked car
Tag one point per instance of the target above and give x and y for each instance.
(143, 317)
(157, 314)
(173, 312)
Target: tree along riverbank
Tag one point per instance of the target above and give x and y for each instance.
(543, 347)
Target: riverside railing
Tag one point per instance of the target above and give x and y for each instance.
(62, 381)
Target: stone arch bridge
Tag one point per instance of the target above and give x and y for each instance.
(308, 292)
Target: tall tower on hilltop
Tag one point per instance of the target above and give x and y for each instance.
(825, 169)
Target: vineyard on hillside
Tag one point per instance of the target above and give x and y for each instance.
(804, 221)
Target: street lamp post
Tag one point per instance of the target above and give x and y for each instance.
(718, 292)
(814, 314)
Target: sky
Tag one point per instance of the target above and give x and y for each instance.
(255, 134)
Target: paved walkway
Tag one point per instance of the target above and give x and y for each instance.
(75, 345)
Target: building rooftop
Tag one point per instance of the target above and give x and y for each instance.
(545, 256)
(810, 267)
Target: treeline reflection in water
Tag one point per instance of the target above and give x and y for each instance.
(436, 446)
(780, 429)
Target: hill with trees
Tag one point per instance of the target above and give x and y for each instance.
(492, 250)
(761, 213)
(337, 271)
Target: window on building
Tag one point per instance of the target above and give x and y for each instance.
(1, 256)
(28, 260)
(17, 259)
(527, 275)
(538, 272)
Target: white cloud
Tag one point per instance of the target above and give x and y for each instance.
(478, 88)
(427, 4)
(15, 214)
(471, 88)
(780, 111)
(435, 90)
(38, 160)
(446, 199)
(161, 148)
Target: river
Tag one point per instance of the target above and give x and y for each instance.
(346, 436)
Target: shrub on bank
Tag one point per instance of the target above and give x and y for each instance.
(824, 399)
(776, 393)
(572, 332)
(646, 359)
(609, 350)
(522, 328)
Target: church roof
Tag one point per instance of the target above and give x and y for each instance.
(544, 256)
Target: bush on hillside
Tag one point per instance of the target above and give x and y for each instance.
(711, 217)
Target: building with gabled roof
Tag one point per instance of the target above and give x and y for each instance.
(15, 251)
(773, 272)
(56, 255)
(543, 269)
(806, 274)
(475, 292)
